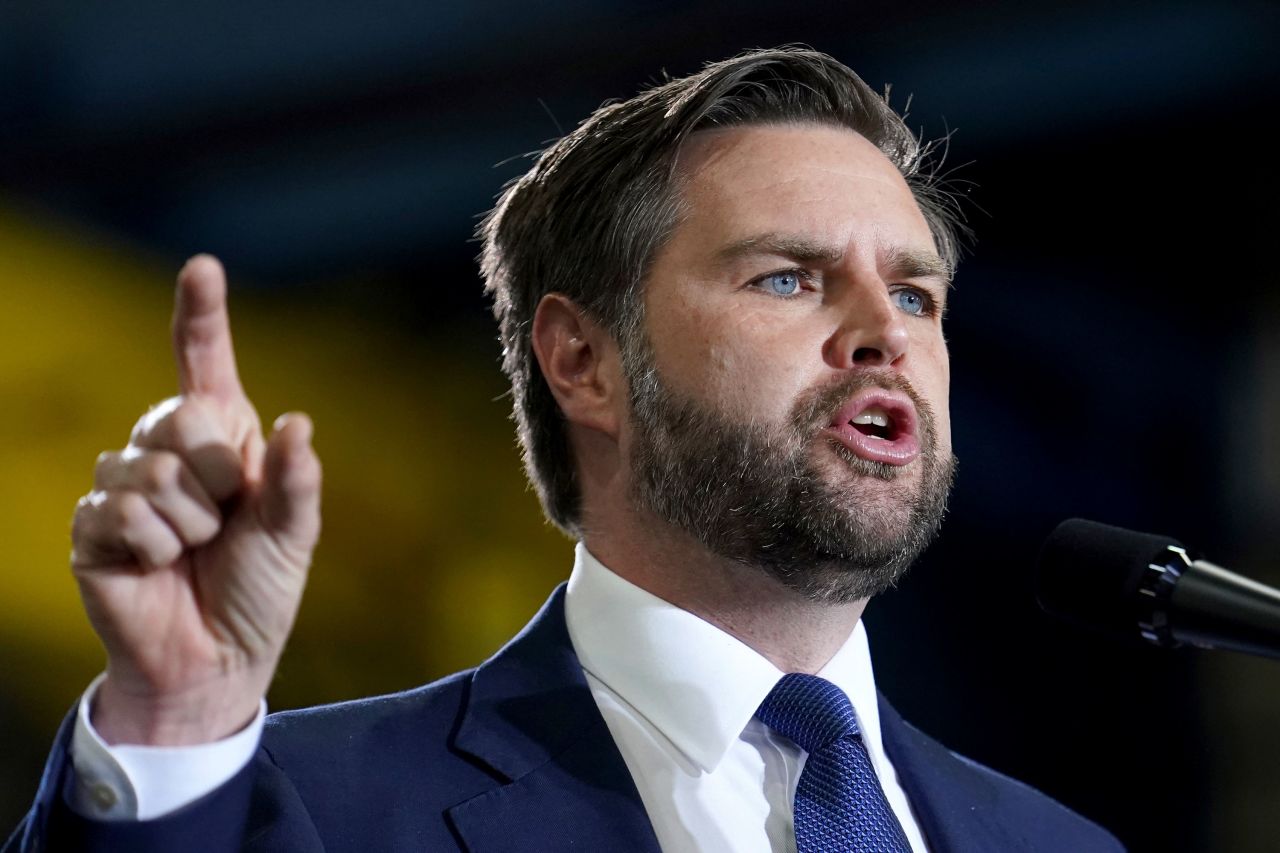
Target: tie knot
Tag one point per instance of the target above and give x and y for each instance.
(809, 710)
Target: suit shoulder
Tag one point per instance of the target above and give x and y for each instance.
(421, 713)
(1051, 818)
(969, 799)
(366, 774)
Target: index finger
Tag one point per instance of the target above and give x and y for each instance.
(202, 331)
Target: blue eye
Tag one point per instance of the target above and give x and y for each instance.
(912, 301)
(781, 283)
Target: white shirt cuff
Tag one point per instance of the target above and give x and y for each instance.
(130, 782)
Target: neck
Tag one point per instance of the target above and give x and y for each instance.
(792, 632)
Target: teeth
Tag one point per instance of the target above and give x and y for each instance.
(873, 416)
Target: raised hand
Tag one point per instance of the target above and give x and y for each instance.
(191, 551)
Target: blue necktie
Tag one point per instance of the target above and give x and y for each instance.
(839, 804)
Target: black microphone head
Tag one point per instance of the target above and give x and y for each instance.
(1088, 573)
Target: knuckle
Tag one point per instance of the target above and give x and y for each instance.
(154, 419)
(187, 421)
(82, 517)
(128, 510)
(159, 471)
(203, 528)
(80, 564)
(302, 467)
(165, 551)
(105, 463)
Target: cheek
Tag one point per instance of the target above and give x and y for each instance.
(943, 415)
(936, 388)
(740, 360)
(764, 381)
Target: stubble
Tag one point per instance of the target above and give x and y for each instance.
(833, 529)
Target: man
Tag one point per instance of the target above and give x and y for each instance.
(721, 308)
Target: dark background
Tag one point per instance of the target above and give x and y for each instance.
(1115, 334)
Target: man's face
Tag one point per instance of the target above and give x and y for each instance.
(789, 402)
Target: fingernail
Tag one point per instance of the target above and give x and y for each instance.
(198, 256)
(308, 427)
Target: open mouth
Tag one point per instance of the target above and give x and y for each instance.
(874, 422)
(878, 425)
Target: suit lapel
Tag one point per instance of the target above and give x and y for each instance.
(531, 718)
(955, 804)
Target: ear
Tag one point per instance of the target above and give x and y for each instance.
(580, 362)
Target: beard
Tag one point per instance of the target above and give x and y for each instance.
(757, 494)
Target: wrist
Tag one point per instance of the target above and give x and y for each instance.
(196, 715)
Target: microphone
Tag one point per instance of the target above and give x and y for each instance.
(1132, 584)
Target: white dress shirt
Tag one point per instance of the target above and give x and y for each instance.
(678, 694)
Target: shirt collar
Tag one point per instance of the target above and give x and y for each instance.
(693, 682)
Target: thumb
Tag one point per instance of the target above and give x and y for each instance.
(290, 495)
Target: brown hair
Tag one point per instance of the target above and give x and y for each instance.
(587, 219)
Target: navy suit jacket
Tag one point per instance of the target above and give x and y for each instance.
(511, 756)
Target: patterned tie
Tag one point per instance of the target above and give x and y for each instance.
(839, 804)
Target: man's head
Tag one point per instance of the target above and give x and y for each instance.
(789, 398)
(603, 207)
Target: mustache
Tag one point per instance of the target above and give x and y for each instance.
(815, 409)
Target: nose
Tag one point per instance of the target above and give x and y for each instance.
(872, 331)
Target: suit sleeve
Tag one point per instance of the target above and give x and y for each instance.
(257, 810)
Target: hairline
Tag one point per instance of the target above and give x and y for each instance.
(649, 208)
(678, 178)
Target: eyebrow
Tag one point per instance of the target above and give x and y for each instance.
(914, 263)
(904, 263)
(787, 245)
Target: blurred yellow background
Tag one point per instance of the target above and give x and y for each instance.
(434, 552)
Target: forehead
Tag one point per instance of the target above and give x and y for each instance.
(824, 181)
